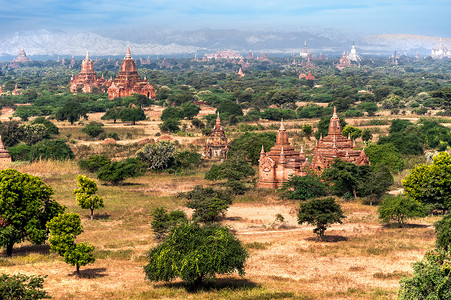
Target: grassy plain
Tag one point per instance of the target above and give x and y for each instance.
(360, 259)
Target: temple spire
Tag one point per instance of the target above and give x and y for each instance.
(128, 55)
(261, 152)
(87, 55)
(282, 127)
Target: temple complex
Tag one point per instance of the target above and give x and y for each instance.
(282, 161)
(353, 56)
(5, 158)
(216, 146)
(87, 79)
(128, 81)
(22, 58)
(440, 51)
(240, 73)
(224, 54)
(309, 76)
(305, 52)
(344, 62)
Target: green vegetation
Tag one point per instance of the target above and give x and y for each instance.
(20, 286)
(209, 205)
(304, 187)
(399, 208)
(86, 196)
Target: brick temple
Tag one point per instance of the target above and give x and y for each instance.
(282, 161)
(128, 81)
(87, 79)
(216, 146)
(22, 58)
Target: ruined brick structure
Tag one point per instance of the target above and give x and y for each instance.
(87, 79)
(216, 146)
(128, 82)
(282, 161)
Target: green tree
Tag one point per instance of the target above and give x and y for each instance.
(303, 187)
(170, 125)
(345, 176)
(112, 114)
(132, 114)
(33, 133)
(190, 110)
(94, 163)
(209, 204)
(367, 135)
(64, 229)
(385, 155)
(250, 143)
(93, 129)
(86, 196)
(431, 184)
(171, 113)
(20, 286)
(164, 222)
(352, 131)
(51, 149)
(322, 213)
(11, 133)
(307, 129)
(430, 280)
(443, 233)
(72, 111)
(194, 253)
(236, 170)
(159, 156)
(25, 207)
(230, 108)
(399, 208)
(52, 129)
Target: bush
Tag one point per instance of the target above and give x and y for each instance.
(194, 253)
(163, 222)
(399, 208)
(303, 187)
(385, 155)
(185, 161)
(250, 143)
(443, 233)
(51, 149)
(320, 213)
(170, 125)
(430, 279)
(116, 172)
(93, 129)
(20, 286)
(94, 163)
(209, 205)
(20, 152)
(159, 156)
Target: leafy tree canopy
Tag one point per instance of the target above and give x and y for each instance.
(385, 155)
(304, 187)
(399, 208)
(209, 204)
(250, 143)
(20, 286)
(86, 196)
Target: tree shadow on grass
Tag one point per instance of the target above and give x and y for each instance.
(396, 225)
(212, 285)
(329, 239)
(91, 273)
(103, 216)
(233, 218)
(25, 250)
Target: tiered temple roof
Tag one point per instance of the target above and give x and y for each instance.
(128, 81)
(216, 146)
(22, 57)
(87, 79)
(353, 56)
(440, 51)
(344, 62)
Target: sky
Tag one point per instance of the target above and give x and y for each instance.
(425, 17)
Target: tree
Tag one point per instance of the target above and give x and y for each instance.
(431, 184)
(430, 280)
(321, 213)
(170, 125)
(352, 131)
(93, 129)
(193, 253)
(235, 170)
(117, 171)
(164, 222)
(250, 143)
(171, 113)
(33, 133)
(11, 133)
(64, 229)
(190, 110)
(367, 135)
(52, 129)
(51, 149)
(443, 233)
(209, 204)
(230, 108)
(303, 187)
(307, 129)
(399, 208)
(159, 156)
(20, 286)
(345, 176)
(112, 114)
(25, 207)
(132, 114)
(385, 155)
(86, 194)
(72, 111)
(94, 163)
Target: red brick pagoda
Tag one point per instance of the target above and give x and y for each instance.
(22, 57)
(282, 161)
(216, 146)
(344, 62)
(128, 82)
(87, 79)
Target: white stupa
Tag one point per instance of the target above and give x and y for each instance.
(353, 56)
(305, 52)
(440, 51)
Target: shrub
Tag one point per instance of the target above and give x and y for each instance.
(20, 286)
(20, 152)
(93, 129)
(385, 155)
(185, 161)
(94, 163)
(194, 253)
(399, 208)
(170, 125)
(116, 172)
(163, 222)
(51, 149)
(159, 156)
(443, 232)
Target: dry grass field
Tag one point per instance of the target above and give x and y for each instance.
(360, 259)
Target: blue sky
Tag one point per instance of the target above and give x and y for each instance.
(431, 17)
